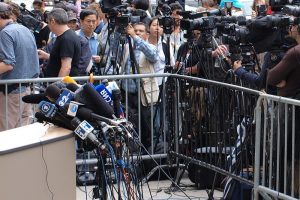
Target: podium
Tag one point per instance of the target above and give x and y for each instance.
(37, 162)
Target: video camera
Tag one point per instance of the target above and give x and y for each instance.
(277, 5)
(29, 19)
(203, 23)
(166, 21)
(119, 13)
(291, 10)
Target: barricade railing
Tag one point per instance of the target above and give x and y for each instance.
(214, 132)
(219, 130)
(277, 148)
(38, 83)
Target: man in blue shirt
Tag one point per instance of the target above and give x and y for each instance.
(88, 22)
(142, 51)
(18, 60)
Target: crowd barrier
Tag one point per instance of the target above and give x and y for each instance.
(224, 135)
(277, 148)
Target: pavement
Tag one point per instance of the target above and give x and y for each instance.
(160, 190)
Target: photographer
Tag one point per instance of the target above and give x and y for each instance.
(184, 52)
(145, 55)
(271, 58)
(195, 63)
(155, 38)
(285, 75)
(177, 36)
(41, 36)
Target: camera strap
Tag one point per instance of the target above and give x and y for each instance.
(135, 67)
(133, 61)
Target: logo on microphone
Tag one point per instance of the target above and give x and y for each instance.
(48, 109)
(64, 98)
(83, 129)
(73, 108)
(45, 108)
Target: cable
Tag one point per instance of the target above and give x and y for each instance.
(46, 167)
(141, 145)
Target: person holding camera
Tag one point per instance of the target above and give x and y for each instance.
(155, 38)
(141, 55)
(18, 60)
(270, 60)
(177, 36)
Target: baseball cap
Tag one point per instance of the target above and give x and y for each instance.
(4, 7)
(71, 16)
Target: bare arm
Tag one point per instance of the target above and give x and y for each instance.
(65, 69)
(5, 67)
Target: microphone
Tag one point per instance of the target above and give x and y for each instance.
(88, 114)
(96, 102)
(50, 113)
(37, 98)
(48, 109)
(86, 95)
(112, 95)
(60, 96)
(116, 96)
(41, 118)
(72, 87)
(104, 92)
(59, 84)
(85, 130)
(34, 98)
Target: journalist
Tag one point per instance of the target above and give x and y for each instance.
(19, 60)
(271, 59)
(142, 53)
(64, 57)
(177, 36)
(88, 22)
(285, 76)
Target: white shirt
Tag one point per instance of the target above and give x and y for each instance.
(159, 65)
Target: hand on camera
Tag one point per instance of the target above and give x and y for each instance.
(130, 30)
(281, 84)
(236, 65)
(221, 50)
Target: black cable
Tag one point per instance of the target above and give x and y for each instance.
(145, 149)
(41, 143)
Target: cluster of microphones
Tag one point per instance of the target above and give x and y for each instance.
(82, 108)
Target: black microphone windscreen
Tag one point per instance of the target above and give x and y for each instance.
(58, 121)
(101, 107)
(40, 117)
(85, 113)
(34, 98)
(59, 84)
(72, 87)
(52, 91)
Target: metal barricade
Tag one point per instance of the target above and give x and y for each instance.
(215, 129)
(214, 132)
(152, 109)
(277, 148)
